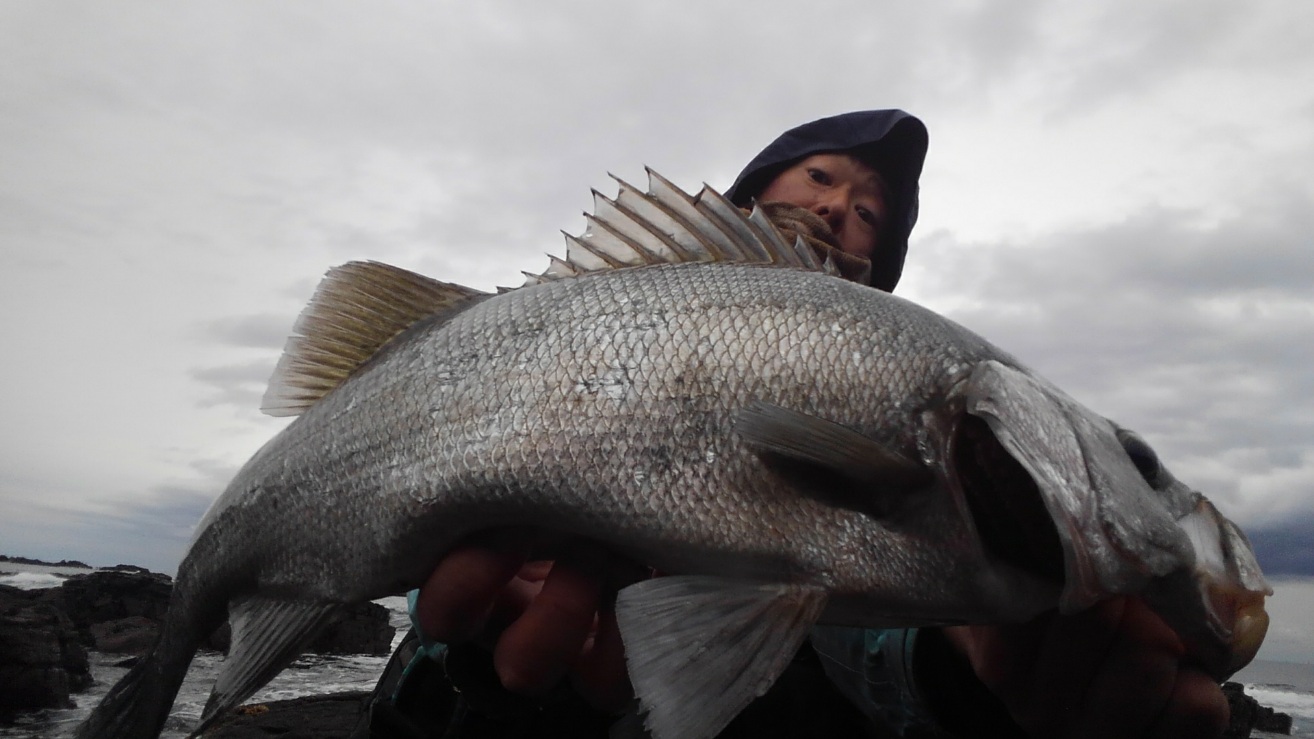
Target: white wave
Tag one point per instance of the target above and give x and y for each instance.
(31, 580)
(1299, 704)
(13, 567)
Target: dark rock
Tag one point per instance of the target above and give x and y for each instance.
(121, 612)
(129, 568)
(41, 659)
(131, 635)
(364, 630)
(109, 596)
(1248, 715)
(60, 563)
(220, 639)
(316, 717)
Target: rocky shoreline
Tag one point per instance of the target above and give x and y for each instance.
(60, 563)
(45, 633)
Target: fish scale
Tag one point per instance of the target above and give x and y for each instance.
(790, 447)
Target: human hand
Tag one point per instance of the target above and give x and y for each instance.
(544, 621)
(1115, 670)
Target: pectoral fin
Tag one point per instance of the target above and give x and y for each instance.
(267, 635)
(831, 460)
(699, 649)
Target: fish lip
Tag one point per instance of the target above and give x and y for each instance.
(1226, 583)
(1221, 627)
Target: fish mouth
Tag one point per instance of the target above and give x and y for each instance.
(1003, 503)
(1216, 606)
(1219, 603)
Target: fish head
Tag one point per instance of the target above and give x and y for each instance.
(1054, 488)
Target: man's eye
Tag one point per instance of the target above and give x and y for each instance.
(868, 217)
(818, 176)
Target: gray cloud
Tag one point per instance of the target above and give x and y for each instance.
(1195, 333)
(152, 530)
(241, 385)
(1286, 548)
(258, 331)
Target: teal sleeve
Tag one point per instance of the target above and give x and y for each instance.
(428, 649)
(911, 681)
(873, 669)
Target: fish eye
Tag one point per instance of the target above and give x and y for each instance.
(1141, 455)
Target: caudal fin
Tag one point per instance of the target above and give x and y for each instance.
(137, 707)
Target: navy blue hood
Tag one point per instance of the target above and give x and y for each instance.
(890, 141)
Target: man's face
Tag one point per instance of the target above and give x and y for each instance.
(843, 191)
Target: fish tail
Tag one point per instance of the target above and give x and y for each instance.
(139, 704)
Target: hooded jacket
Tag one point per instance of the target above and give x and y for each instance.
(890, 141)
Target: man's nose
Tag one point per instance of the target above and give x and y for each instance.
(832, 209)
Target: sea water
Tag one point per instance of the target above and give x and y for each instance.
(1286, 687)
(1282, 686)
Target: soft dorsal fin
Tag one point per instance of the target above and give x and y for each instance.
(357, 308)
(668, 226)
(361, 306)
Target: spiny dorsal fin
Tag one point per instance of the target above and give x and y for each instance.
(357, 308)
(668, 226)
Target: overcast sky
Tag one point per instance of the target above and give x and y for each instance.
(1119, 193)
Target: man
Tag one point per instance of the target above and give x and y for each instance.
(849, 184)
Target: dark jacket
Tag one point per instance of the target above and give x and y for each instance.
(890, 141)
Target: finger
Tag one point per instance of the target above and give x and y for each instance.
(1136, 678)
(1002, 656)
(454, 603)
(510, 604)
(1049, 699)
(1197, 709)
(537, 651)
(600, 676)
(535, 571)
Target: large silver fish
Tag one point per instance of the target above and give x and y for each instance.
(698, 393)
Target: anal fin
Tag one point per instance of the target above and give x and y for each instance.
(267, 634)
(701, 648)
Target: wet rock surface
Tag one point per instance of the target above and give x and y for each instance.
(100, 597)
(41, 659)
(131, 635)
(366, 629)
(1248, 715)
(317, 717)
